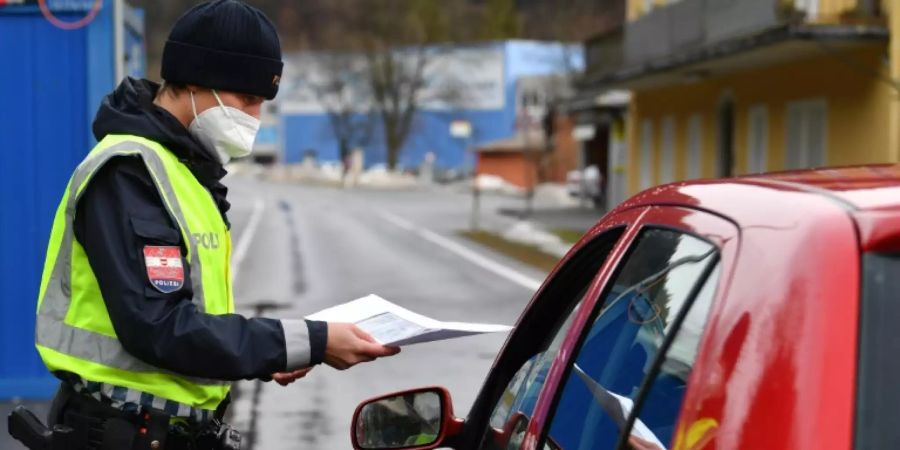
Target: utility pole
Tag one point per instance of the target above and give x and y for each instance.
(462, 129)
(894, 127)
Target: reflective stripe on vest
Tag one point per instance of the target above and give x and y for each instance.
(52, 330)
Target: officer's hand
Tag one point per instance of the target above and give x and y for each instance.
(286, 378)
(348, 346)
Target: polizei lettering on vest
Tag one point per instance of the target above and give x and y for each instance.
(209, 241)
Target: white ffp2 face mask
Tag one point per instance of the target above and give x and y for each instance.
(228, 131)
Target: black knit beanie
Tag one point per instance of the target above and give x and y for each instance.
(227, 45)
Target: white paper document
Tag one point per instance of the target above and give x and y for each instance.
(618, 408)
(391, 324)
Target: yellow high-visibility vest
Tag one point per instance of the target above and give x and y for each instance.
(74, 332)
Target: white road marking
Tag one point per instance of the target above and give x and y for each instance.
(460, 250)
(397, 220)
(243, 243)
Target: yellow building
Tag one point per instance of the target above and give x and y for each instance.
(724, 87)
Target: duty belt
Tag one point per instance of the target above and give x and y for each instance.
(131, 401)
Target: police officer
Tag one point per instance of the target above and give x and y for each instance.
(136, 315)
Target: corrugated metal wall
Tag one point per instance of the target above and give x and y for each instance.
(51, 82)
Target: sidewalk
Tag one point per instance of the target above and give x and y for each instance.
(552, 207)
(571, 218)
(546, 234)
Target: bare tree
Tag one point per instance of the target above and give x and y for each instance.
(339, 82)
(378, 76)
(396, 38)
(396, 79)
(325, 24)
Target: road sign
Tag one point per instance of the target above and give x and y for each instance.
(55, 5)
(49, 8)
(461, 129)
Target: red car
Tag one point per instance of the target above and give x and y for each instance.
(748, 313)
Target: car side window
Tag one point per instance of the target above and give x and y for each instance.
(520, 395)
(659, 278)
(536, 341)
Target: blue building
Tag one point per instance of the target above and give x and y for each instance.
(52, 80)
(487, 74)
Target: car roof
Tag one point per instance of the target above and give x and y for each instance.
(869, 194)
(861, 187)
(858, 188)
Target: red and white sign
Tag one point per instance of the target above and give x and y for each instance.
(164, 268)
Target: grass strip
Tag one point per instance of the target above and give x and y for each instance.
(529, 254)
(568, 235)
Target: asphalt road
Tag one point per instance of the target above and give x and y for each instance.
(301, 249)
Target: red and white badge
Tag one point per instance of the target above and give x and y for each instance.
(164, 267)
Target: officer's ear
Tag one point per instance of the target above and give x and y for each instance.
(202, 102)
(173, 90)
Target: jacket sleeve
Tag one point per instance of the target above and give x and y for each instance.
(166, 329)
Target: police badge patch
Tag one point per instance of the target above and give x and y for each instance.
(164, 267)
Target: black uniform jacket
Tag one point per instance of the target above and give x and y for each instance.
(119, 205)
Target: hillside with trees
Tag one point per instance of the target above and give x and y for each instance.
(350, 24)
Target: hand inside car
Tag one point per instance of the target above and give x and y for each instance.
(348, 346)
(637, 443)
(286, 378)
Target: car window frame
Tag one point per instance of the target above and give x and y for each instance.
(720, 231)
(710, 264)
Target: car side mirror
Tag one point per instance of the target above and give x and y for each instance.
(419, 419)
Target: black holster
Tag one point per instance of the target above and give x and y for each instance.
(97, 426)
(81, 422)
(26, 428)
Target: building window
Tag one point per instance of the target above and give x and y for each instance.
(529, 100)
(694, 146)
(757, 138)
(808, 7)
(667, 169)
(807, 127)
(649, 5)
(646, 153)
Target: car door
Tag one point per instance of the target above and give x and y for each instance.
(623, 374)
